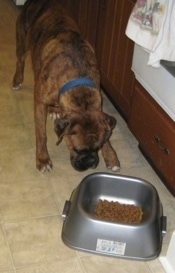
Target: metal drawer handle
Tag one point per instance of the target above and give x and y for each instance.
(161, 146)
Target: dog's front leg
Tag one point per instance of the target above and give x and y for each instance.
(43, 162)
(110, 157)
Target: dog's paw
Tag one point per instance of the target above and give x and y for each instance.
(113, 165)
(114, 168)
(16, 86)
(44, 166)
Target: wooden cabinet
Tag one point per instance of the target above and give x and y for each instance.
(103, 24)
(85, 13)
(88, 19)
(72, 7)
(114, 52)
(155, 132)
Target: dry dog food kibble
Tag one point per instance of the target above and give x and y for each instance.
(116, 212)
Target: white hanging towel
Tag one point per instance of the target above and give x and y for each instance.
(152, 26)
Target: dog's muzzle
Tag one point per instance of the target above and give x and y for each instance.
(84, 162)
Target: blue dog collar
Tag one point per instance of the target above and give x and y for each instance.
(76, 82)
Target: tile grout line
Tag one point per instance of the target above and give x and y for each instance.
(8, 245)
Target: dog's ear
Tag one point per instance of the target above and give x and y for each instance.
(111, 121)
(60, 126)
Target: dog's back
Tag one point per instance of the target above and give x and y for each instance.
(51, 32)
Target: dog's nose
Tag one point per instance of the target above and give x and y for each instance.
(82, 163)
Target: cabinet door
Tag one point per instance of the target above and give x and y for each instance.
(155, 132)
(85, 13)
(72, 6)
(87, 19)
(114, 51)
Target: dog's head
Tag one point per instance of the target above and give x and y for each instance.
(85, 135)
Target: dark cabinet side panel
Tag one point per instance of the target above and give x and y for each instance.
(87, 19)
(114, 52)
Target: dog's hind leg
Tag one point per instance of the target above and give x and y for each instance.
(110, 157)
(21, 52)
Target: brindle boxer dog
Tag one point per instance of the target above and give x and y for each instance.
(67, 84)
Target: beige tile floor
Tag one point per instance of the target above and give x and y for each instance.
(31, 202)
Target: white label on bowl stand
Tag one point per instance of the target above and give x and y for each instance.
(110, 247)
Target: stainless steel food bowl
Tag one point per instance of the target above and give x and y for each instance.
(83, 231)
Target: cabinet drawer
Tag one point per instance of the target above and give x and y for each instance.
(155, 132)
